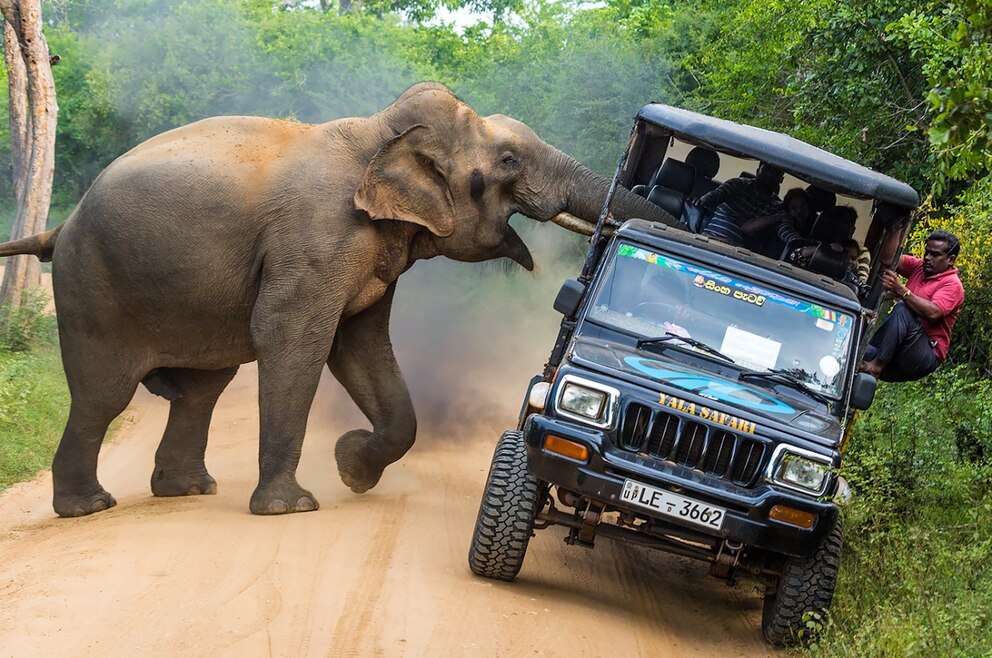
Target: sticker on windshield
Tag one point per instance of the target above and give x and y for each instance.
(709, 284)
(750, 349)
(826, 325)
(829, 366)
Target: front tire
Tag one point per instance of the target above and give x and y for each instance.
(797, 608)
(507, 512)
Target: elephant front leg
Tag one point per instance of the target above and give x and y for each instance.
(362, 360)
(291, 347)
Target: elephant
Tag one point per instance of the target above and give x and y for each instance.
(239, 239)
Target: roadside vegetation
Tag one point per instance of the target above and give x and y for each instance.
(902, 86)
(34, 399)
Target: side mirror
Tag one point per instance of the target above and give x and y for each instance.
(863, 390)
(567, 301)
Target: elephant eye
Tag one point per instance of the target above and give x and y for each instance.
(509, 160)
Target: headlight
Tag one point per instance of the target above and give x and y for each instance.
(586, 400)
(806, 472)
(583, 401)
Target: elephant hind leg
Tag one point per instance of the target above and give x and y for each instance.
(179, 461)
(98, 396)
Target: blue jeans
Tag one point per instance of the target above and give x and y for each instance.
(903, 347)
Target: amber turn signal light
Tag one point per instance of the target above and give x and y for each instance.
(566, 448)
(792, 516)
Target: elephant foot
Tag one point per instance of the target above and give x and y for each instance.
(71, 505)
(282, 498)
(358, 466)
(165, 483)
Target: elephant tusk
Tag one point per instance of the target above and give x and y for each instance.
(573, 223)
(578, 225)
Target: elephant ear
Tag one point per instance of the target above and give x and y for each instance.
(406, 181)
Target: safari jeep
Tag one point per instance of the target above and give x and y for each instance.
(699, 395)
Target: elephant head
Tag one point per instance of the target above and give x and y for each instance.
(462, 176)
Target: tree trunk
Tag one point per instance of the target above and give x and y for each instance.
(32, 113)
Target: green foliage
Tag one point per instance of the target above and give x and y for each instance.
(823, 71)
(33, 403)
(955, 44)
(573, 76)
(325, 66)
(916, 578)
(27, 326)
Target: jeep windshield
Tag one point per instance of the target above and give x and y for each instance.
(649, 294)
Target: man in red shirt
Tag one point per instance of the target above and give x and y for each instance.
(913, 340)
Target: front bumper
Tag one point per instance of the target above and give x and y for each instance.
(602, 477)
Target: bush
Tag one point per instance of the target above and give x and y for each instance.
(34, 400)
(26, 326)
(916, 577)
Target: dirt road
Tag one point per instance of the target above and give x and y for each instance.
(383, 574)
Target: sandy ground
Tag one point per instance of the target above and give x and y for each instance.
(382, 574)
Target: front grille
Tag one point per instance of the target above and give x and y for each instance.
(678, 439)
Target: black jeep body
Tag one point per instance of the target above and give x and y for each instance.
(699, 395)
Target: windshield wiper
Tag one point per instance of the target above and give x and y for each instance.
(789, 377)
(688, 341)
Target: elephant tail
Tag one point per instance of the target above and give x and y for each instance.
(41, 245)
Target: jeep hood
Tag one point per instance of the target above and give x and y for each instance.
(760, 401)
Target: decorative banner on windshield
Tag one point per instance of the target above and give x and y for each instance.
(727, 285)
(709, 284)
(704, 412)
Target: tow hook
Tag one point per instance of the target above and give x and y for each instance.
(726, 560)
(586, 534)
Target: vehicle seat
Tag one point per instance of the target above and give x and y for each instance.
(820, 199)
(673, 183)
(707, 164)
(834, 225)
(828, 262)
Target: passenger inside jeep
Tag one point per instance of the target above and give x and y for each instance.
(771, 234)
(806, 227)
(741, 199)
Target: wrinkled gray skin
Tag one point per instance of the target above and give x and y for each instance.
(239, 239)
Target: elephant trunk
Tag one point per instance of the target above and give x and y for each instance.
(585, 198)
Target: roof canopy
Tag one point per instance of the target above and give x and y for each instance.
(798, 158)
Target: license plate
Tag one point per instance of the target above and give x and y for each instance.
(671, 504)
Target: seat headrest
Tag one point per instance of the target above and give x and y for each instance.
(706, 161)
(835, 224)
(676, 175)
(669, 200)
(820, 199)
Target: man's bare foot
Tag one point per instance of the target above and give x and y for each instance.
(873, 368)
